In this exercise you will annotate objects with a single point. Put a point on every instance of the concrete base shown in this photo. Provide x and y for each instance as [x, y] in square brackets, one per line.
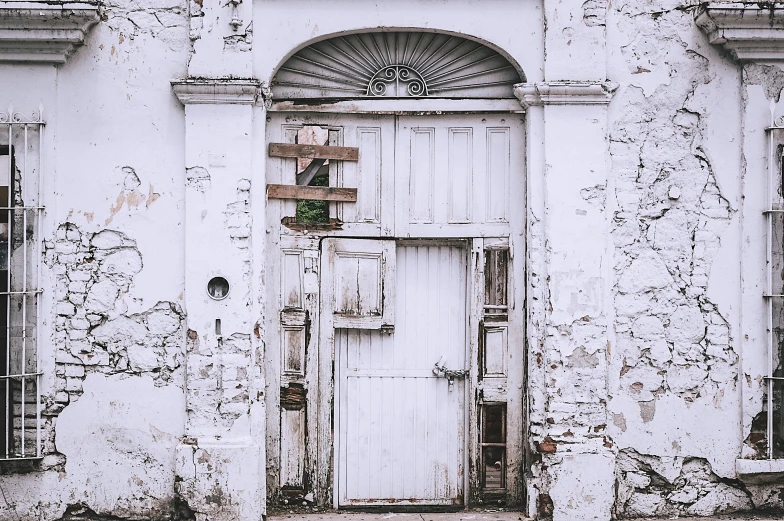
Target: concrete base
[583, 487]
[221, 480]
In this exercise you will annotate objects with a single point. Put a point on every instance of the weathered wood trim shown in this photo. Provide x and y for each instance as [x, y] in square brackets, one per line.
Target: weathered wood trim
[318, 193]
[406, 106]
[475, 295]
[313, 151]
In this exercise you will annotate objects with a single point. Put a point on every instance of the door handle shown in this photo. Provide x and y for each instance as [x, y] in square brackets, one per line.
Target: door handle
[441, 371]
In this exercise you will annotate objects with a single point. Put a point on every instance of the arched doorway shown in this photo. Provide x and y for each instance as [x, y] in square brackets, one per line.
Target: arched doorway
[395, 359]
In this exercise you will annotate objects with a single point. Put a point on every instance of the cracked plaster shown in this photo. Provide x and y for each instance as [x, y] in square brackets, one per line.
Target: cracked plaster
[662, 396]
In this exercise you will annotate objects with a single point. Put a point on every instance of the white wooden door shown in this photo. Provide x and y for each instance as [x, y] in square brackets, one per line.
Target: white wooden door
[400, 428]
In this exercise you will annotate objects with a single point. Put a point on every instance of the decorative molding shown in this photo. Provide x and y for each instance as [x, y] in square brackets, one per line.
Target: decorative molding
[396, 64]
[43, 32]
[235, 22]
[565, 93]
[752, 32]
[217, 91]
[401, 106]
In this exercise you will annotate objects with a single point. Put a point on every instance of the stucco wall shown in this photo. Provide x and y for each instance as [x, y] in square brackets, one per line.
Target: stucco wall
[645, 255]
[112, 355]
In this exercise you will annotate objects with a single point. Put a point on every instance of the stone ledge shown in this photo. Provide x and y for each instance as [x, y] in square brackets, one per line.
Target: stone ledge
[217, 91]
[41, 32]
[752, 32]
[565, 93]
[760, 470]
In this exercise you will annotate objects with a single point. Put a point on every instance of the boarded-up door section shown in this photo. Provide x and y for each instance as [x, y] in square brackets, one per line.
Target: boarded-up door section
[371, 172]
[401, 428]
[361, 278]
[454, 175]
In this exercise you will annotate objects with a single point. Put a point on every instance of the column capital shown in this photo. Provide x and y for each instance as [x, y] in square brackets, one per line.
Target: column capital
[565, 93]
[751, 31]
[218, 91]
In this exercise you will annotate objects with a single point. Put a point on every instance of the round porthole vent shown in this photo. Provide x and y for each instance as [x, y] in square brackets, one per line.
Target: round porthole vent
[218, 288]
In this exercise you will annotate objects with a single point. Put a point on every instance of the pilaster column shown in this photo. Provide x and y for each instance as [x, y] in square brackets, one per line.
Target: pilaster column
[570, 253]
[220, 464]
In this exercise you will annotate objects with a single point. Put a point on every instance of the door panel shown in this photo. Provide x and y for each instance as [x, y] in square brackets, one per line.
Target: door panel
[360, 289]
[458, 176]
[401, 427]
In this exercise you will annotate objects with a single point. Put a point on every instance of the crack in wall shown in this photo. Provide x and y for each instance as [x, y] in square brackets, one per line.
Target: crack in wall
[671, 338]
[165, 20]
[667, 231]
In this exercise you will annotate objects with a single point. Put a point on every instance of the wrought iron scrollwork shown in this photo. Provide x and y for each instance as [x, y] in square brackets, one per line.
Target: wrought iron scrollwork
[17, 117]
[397, 80]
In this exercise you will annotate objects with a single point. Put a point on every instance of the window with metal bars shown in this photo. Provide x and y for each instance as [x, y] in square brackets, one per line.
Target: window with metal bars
[21, 163]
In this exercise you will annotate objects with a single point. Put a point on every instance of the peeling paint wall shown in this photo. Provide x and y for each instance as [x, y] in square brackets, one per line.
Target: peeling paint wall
[112, 344]
[662, 386]
[645, 259]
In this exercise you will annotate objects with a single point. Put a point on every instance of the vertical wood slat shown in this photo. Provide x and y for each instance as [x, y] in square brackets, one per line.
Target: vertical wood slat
[496, 277]
[291, 279]
[293, 350]
[495, 342]
[292, 449]
[366, 176]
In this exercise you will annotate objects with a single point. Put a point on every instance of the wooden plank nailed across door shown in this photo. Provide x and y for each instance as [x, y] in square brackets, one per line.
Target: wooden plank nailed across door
[317, 193]
[313, 151]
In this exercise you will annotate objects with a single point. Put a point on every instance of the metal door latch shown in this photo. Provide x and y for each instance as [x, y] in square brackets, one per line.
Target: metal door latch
[441, 371]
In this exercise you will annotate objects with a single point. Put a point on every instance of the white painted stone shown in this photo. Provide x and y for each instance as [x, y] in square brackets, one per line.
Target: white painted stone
[583, 487]
[720, 500]
[101, 297]
[647, 272]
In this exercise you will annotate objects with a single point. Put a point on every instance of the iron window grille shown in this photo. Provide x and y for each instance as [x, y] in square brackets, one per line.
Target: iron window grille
[21, 211]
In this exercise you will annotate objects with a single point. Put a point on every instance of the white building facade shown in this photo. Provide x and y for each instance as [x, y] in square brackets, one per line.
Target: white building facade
[411, 254]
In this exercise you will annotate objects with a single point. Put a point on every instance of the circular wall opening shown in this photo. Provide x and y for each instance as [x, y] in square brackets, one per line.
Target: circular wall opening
[218, 288]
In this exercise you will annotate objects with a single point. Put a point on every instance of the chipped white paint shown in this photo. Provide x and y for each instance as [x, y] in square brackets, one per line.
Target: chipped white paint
[631, 204]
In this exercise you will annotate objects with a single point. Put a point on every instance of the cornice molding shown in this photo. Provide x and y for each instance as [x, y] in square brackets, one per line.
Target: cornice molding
[43, 32]
[752, 32]
[217, 91]
[565, 93]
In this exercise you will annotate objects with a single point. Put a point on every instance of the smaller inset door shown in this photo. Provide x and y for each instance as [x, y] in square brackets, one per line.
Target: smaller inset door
[400, 425]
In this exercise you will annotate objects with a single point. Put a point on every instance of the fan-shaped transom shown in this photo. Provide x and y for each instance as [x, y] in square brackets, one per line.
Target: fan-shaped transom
[396, 64]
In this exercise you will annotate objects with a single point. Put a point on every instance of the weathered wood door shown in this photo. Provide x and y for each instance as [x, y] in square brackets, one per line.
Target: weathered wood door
[427, 266]
[400, 428]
